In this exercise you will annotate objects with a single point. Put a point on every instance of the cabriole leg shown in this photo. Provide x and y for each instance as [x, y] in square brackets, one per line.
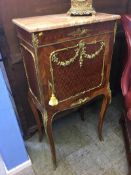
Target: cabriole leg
[82, 113]
[37, 119]
[49, 133]
[105, 102]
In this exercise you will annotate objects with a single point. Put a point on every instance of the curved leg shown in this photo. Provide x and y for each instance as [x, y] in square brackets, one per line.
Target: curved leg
[37, 119]
[82, 114]
[49, 133]
[105, 103]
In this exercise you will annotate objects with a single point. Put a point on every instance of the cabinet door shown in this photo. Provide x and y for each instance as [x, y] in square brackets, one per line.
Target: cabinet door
[77, 66]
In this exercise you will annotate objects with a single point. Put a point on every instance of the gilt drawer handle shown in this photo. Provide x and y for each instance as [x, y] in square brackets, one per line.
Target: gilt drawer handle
[80, 101]
[79, 32]
[80, 52]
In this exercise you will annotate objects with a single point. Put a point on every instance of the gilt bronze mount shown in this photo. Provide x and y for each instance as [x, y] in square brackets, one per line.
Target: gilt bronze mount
[81, 8]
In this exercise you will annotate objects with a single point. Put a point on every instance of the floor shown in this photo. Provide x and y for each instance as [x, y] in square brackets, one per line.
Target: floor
[79, 151]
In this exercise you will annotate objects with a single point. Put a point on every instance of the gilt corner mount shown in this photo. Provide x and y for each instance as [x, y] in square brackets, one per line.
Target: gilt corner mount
[81, 8]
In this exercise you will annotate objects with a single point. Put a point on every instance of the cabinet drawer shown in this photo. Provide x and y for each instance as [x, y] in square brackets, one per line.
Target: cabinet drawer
[76, 66]
[70, 33]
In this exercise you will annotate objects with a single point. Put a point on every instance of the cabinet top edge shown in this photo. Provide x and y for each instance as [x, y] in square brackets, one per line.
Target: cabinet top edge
[50, 22]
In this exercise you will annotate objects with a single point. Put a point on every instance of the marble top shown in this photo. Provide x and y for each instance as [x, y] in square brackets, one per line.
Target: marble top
[49, 22]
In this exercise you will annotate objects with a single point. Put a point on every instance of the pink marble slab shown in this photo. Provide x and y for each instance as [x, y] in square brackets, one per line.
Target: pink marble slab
[49, 22]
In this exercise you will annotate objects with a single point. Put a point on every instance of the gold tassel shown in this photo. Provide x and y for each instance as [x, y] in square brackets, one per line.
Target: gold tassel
[53, 100]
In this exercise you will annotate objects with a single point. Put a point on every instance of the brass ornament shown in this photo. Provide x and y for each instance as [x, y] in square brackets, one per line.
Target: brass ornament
[81, 8]
[45, 120]
[115, 30]
[79, 32]
[53, 100]
[109, 92]
[80, 53]
[80, 101]
[35, 40]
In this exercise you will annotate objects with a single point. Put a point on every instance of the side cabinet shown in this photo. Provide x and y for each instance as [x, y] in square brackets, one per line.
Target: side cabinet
[66, 65]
